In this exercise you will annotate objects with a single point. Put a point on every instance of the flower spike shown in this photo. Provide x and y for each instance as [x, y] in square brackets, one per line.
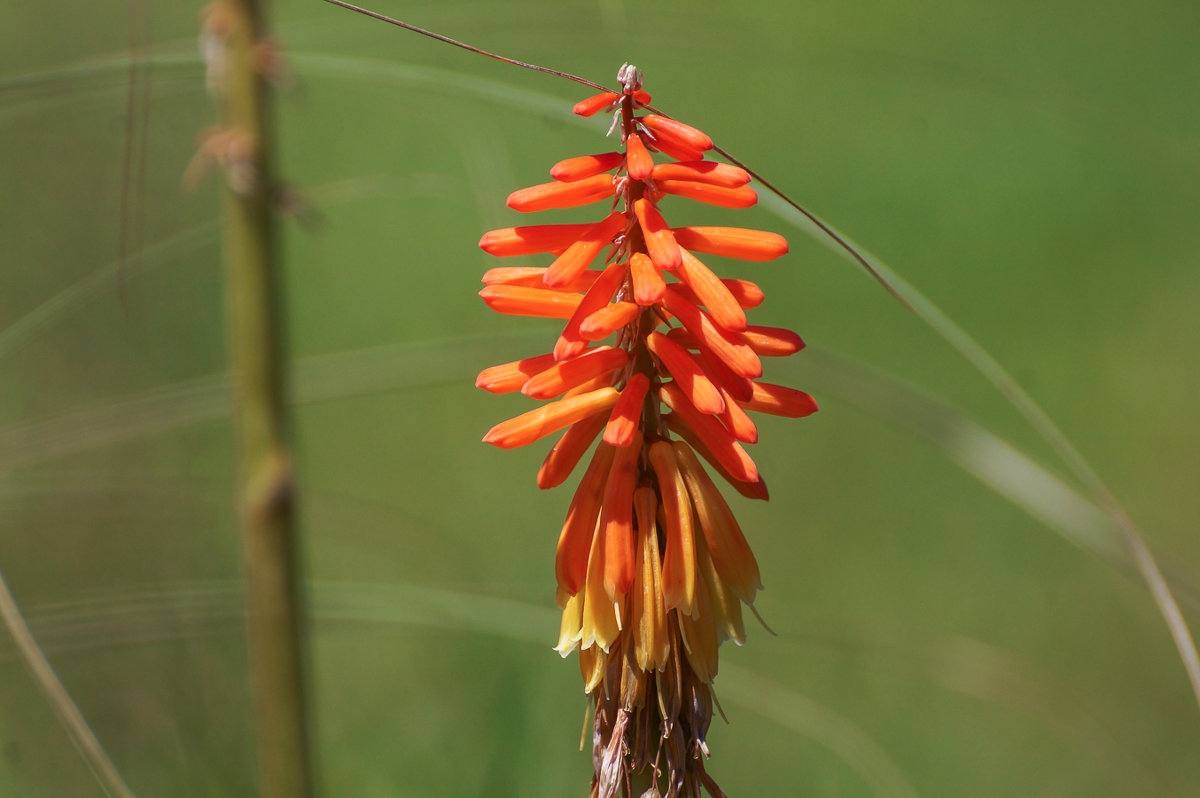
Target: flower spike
[657, 368]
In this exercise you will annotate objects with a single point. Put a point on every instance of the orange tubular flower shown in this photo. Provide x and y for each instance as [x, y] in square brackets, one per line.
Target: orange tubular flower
[652, 566]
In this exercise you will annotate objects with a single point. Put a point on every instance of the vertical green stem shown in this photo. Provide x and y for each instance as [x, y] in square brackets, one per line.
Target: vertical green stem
[265, 490]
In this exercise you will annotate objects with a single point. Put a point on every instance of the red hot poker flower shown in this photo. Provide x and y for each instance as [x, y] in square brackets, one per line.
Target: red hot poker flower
[652, 566]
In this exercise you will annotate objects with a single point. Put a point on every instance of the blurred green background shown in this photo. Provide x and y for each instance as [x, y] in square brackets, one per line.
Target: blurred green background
[1033, 167]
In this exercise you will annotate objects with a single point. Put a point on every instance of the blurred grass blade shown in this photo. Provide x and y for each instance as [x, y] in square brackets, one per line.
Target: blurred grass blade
[152, 615]
[77, 727]
[29, 92]
[1037, 418]
[440, 608]
[107, 73]
[806, 717]
[166, 614]
[995, 462]
[434, 79]
[99, 283]
[992, 460]
[319, 378]
[114, 421]
[104, 280]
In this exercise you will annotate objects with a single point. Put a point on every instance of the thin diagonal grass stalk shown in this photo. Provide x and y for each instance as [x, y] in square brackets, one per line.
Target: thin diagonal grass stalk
[82, 736]
[463, 45]
[1037, 418]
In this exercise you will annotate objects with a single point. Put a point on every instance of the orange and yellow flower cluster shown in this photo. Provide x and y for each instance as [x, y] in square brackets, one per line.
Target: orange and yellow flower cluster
[652, 567]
